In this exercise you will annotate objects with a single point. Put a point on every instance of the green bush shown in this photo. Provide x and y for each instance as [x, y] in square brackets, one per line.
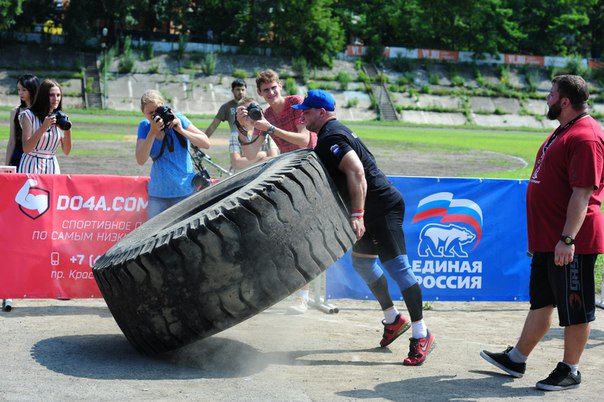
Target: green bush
[481, 82]
[300, 66]
[504, 76]
[597, 74]
[183, 40]
[126, 63]
[382, 78]
[457, 80]
[532, 80]
[405, 79]
[401, 65]
[344, 79]
[239, 73]
[153, 69]
[358, 65]
[127, 60]
[290, 86]
[148, 51]
[574, 65]
[352, 102]
[373, 102]
[364, 78]
[208, 65]
[433, 79]
[89, 84]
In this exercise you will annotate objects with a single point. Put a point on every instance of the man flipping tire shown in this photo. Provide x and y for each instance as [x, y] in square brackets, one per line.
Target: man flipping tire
[377, 216]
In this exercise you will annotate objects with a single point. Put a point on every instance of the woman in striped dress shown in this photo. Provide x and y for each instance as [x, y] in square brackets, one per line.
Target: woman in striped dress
[41, 134]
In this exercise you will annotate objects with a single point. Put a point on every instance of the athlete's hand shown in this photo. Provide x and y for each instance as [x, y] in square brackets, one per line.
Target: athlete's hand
[358, 226]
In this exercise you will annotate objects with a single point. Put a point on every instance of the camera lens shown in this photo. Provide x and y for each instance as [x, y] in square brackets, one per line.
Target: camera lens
[254, 112]
[62, 120]
[64, 124]
[165, 113]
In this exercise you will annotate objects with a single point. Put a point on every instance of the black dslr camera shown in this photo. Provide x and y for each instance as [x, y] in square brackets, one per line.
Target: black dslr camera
[62, 120]
[165, 113]
[254, 111]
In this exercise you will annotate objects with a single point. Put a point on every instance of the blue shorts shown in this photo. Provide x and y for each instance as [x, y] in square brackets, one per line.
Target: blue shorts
[570, 288]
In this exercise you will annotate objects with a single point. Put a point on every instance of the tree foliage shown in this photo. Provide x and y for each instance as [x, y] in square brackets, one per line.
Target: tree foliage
[319, 29]
[9, 9]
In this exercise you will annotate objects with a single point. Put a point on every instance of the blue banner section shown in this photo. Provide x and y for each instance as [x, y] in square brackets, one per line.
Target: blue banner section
[466, 241]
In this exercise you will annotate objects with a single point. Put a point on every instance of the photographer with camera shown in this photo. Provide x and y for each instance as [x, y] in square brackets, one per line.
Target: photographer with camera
[45, 128]
[243, 135]
[278, 120]
[283, 124]
[165, 136]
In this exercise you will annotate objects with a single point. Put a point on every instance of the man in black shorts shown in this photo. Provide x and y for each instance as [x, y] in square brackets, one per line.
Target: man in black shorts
[377, 217]
[565, 234]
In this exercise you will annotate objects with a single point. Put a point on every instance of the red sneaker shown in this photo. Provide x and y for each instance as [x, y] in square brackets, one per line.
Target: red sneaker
[418, 350]
[394, 330]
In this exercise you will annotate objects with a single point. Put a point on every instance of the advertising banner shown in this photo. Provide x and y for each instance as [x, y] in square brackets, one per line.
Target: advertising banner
[524, 60]
[54, 227]
[466, 241]
[466, 238]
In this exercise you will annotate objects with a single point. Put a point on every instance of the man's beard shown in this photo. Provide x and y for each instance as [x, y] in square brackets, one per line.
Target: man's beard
[554, 111]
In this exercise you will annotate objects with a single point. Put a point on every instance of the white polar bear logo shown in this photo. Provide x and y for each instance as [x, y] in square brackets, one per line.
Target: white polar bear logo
[444, 241]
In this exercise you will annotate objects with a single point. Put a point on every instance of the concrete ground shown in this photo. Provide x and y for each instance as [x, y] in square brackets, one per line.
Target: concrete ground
[73, 350]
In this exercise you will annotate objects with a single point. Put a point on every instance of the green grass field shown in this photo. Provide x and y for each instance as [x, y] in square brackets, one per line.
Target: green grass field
[520, 144]
[517, 143]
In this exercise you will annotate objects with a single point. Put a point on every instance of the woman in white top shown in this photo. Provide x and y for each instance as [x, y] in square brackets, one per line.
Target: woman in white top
[42, 136]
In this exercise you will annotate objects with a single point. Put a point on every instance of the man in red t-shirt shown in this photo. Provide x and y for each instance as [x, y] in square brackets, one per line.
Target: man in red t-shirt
[280, 120]
[284, 126]
[565, 234]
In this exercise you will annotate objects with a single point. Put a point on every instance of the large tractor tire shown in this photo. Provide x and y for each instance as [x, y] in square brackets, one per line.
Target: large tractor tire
[225, 254]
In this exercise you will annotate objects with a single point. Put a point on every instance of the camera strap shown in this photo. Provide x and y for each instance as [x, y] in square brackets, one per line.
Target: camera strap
[243, 131]
[168, 141]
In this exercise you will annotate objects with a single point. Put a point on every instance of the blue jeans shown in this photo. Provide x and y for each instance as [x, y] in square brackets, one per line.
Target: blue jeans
[157, 205]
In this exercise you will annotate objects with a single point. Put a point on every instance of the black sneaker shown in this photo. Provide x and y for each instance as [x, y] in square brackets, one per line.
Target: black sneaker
[559, 379]
[503, 361]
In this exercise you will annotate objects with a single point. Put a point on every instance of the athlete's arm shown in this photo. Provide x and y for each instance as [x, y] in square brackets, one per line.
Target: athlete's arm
[352, 167]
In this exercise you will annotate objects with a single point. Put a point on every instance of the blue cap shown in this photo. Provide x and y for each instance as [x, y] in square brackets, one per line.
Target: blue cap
[317, 99]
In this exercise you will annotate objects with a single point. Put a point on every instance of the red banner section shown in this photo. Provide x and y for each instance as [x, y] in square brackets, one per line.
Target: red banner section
[454, 56]
[54, 227]
[445, 55]
[523, 60]
[595, 64]
[356, 50]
